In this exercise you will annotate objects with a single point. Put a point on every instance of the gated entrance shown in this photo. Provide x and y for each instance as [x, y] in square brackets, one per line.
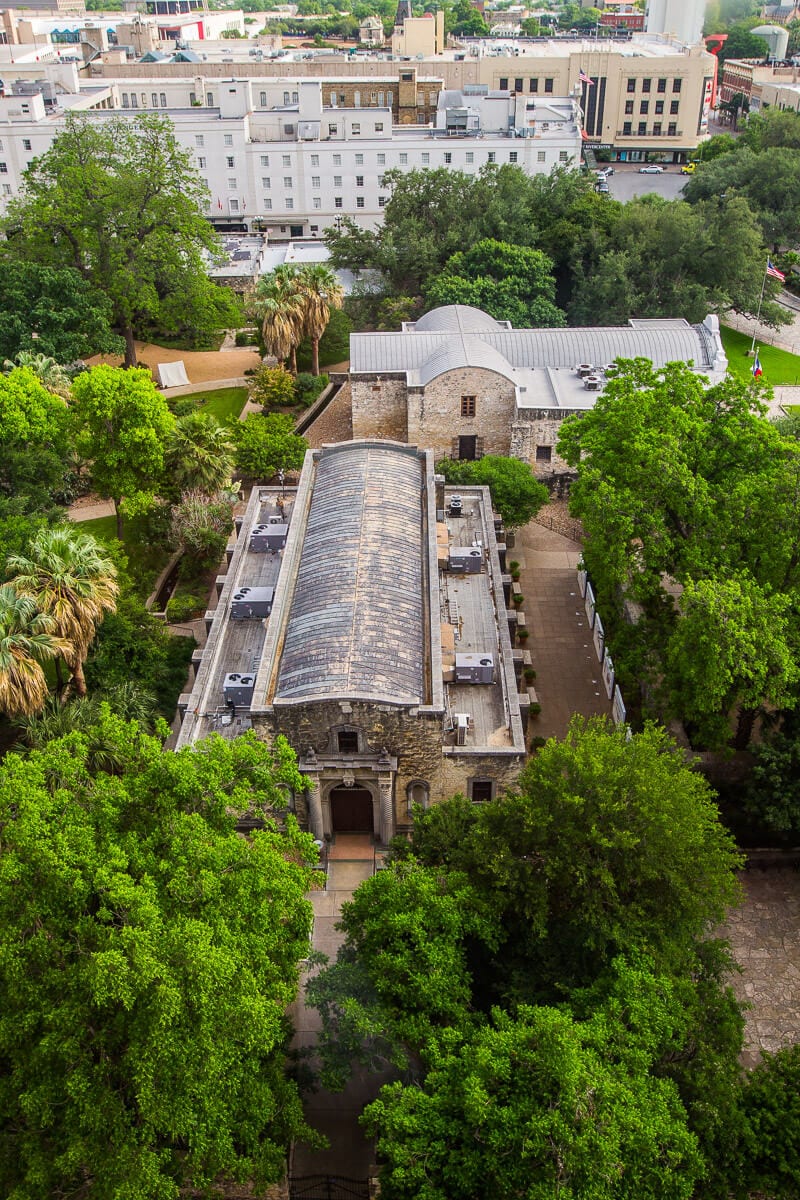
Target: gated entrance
[328, 1187]
[351, 810]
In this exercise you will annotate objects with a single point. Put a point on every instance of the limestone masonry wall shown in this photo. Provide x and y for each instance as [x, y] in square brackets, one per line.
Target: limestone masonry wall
[434, 413]
[379, 407]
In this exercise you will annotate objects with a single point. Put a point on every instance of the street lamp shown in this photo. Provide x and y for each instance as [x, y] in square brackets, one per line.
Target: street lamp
[281, 478]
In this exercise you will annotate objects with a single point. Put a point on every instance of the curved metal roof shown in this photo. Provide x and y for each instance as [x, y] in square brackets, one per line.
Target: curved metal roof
[462, 352]
[355, 625]
[457, 318]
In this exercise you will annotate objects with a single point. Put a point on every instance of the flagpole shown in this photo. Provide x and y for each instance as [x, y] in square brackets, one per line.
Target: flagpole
[758, 314]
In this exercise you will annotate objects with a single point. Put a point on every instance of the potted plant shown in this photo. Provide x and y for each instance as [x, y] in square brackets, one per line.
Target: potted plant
[517, 600]
[529, 674]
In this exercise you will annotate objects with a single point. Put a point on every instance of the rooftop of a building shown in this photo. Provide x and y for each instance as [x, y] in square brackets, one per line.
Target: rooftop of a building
[536, 361]
[362, 603]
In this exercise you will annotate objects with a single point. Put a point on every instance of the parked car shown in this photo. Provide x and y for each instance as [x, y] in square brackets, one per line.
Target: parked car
[603, 186]
[689, 168]
[652, 169]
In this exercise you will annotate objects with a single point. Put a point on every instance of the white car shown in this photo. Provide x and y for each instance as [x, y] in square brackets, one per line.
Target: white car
[653, 169]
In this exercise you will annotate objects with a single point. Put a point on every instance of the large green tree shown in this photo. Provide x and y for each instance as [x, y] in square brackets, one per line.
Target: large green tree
[124, 426]
[148, 956]
[52, 310]
[34, 439]
[268, 444]
[122, 204]
[680, 483]
[512, 283]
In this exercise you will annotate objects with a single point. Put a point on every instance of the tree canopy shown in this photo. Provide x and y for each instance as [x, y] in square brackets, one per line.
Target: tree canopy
[686, 489]
[268, 444]
[52, 310]
[511, 283]
[123, 205]
[123, 425]
[148, 955]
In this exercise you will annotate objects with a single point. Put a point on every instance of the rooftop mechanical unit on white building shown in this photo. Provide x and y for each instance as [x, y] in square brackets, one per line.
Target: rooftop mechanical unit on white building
[237, 689]
[251, 602]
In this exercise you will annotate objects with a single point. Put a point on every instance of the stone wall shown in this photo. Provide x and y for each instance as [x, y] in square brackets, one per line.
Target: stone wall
[434, 413]
[538, 427]
[379, 407]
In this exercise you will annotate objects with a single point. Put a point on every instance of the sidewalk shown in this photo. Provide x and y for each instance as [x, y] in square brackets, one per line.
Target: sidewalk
[568, 677]
[335, 1114]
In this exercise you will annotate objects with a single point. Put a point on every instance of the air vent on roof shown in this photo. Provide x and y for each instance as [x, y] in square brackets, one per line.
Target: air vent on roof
[584, 369]
[461, 722]
[268, 537]
[251, 602]
[456, 506]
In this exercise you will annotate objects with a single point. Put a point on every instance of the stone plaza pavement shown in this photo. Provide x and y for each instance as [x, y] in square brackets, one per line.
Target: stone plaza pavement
[764, 934]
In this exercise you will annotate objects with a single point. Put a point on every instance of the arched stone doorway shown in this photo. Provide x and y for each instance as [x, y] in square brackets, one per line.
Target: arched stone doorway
[352, 810]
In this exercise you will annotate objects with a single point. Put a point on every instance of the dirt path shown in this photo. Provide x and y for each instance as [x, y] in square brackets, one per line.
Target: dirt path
[202, 366]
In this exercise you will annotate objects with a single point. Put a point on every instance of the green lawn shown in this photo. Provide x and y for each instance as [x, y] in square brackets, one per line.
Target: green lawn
[225, 404]
[779, 366]
[145, 560]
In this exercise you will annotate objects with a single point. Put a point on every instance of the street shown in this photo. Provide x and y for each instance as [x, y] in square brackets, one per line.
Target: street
[626, 182]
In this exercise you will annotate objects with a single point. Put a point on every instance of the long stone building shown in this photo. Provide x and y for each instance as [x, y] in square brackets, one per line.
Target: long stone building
[465, 384]
[364, 618]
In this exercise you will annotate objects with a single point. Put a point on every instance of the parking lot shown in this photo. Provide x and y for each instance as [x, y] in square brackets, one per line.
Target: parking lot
[626, 182]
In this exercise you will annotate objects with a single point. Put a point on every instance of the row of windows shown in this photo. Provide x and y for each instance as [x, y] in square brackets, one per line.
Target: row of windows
[316, 180]
[533, 85]
[644, 107]
[657, 130]
[156, 99]
[647, 85]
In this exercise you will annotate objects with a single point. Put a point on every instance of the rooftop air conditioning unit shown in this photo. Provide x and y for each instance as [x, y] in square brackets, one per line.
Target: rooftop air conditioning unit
[474, 668]
[465, 560]
[592, 383]
[461, 722]
[267, 537]
[237, 689]
[584, 369]
[456, 506]
[251, 602]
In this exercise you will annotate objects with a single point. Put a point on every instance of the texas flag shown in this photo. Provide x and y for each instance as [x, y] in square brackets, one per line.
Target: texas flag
[774, 273]
[584, 78]
[757, 367]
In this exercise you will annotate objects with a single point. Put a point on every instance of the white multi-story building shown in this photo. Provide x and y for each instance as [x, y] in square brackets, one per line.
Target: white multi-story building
[282, 156]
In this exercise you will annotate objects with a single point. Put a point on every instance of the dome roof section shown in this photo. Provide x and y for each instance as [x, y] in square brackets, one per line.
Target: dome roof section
[458, 352]
[458, 318]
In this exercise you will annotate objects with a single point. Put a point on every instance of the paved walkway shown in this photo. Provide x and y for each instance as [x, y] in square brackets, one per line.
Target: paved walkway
[765, 938]
[336, 1114]
[567, 671]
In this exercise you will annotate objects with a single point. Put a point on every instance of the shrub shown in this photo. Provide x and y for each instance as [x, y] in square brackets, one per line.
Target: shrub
[529, 674]
[523, 634]
[518, 600]
[181, 406]
[272, 387]
[184, 607]
[537, 743]
[308, 387]
[534, 709]
[246, 337]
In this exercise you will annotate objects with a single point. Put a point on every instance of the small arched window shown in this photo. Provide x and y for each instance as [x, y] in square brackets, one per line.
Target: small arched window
[418, 792]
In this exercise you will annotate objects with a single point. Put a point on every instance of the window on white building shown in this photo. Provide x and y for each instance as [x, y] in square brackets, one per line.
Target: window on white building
[134, 100]
[199, 140]
[231, 185]
[265, 160]
[209, 99]
[355, 128]
[379, 126]
[337, 202]
[6, 189]
[317, 202]
[541, 156]
[267, 204]
[289, 202]
[229, 162]
[285, 97]
[337, 160]
[563, 156]
[426, 158]
[381, 201]
[512, 156]
[163, 99]
[287, 160]
[263, 99]
[3, 168]
[359, 201]
[403, 159]
[448, 158]
[333, 130]
[316, 181]
[201, 162]
[295, 97]
[470, 156]
[144, 99]
[359, 180]
[315, 160]
[287, 181]
[337, 181]
[491, 156]
[228, 138]
[381, 160]
[125, 101]
[154, 99]
[234, 205]
[266, 182]
[359, 159]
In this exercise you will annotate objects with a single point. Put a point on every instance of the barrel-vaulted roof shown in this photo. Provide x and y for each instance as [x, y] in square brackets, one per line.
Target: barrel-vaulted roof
[356, 621]
[457, 318]
[461, 351]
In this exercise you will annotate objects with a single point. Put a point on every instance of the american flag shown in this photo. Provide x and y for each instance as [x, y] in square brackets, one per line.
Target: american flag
[584, 78]
[774, 273]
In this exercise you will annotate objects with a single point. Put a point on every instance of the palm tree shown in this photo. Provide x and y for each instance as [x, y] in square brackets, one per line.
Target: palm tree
[199, 456]
[27, 637]
[49, 373]
[74, 583]
[321, 291]
[281, 308]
